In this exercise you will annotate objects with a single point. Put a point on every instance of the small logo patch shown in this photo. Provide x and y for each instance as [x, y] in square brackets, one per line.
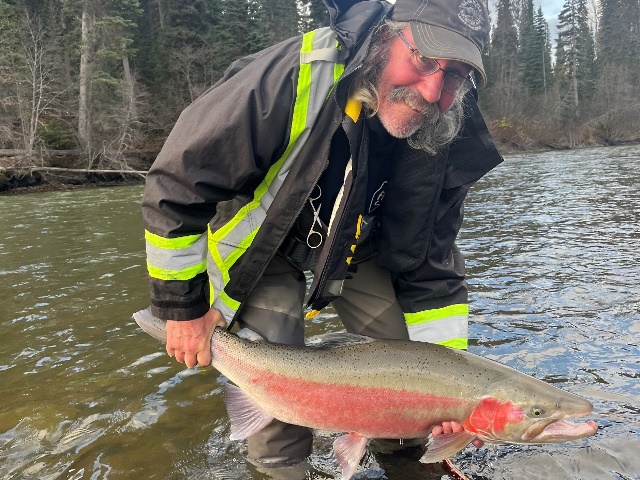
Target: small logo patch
[377, 198]
[472, 14]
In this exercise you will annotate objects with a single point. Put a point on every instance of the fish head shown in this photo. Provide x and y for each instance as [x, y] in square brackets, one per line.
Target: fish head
[541, 416]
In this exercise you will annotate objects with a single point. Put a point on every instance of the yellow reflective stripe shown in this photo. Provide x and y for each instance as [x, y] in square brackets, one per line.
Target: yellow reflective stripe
[217, 259]
[298, 124]
[170, 243]
[242, 247]
[417, 318]
[184, 274]
[459, 343]
[338, 68]
[228, 301]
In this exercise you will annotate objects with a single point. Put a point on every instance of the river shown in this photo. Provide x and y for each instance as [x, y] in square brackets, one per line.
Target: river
[551, 241]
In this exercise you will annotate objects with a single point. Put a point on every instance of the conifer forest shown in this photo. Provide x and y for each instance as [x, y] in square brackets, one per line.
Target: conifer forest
[107, 79]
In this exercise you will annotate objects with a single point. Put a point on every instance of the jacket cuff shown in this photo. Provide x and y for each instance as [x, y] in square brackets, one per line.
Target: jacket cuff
[179, 312]
[179, 299]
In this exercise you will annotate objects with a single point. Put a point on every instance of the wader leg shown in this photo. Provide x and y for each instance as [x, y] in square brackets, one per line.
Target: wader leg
[368, 306]
[274, 310]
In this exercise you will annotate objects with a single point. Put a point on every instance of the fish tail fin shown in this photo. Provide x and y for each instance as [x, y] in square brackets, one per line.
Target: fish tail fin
[446, 445]
[245, 415]
[153, 326]
[349, 449]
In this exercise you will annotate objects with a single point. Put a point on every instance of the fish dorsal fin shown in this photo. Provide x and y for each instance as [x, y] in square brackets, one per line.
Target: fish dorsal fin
[349, 449]
[446, 445]
[337, 339]
[245, 415]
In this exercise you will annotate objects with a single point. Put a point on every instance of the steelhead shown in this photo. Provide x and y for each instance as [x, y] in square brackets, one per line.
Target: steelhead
[386, 389]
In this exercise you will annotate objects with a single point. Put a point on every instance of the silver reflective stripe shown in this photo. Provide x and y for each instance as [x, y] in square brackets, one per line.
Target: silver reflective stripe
[326, 54]
[439, 331]
[177, 259]
[228, 312]
[229, 242]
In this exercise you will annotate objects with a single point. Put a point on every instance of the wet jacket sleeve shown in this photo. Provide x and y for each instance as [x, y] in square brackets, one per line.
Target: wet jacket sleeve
[221, 146]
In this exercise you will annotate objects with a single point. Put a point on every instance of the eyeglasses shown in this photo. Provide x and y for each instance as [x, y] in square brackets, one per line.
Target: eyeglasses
[453, 82]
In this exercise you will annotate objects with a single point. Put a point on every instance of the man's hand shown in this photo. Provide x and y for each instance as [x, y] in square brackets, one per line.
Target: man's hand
[190, 341]
[453, 427]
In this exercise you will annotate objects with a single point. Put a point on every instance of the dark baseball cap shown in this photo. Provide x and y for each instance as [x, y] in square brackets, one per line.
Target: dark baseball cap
[448, 29]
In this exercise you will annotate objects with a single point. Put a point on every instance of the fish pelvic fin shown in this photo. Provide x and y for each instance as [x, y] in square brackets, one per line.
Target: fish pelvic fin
[245, 415]
[349, 450]
[446, 445]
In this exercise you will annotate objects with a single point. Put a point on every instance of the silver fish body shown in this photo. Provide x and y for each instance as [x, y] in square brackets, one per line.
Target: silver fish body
[387, 389]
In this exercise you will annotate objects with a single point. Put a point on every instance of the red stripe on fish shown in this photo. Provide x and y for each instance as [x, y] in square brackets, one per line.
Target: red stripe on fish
[368, 410]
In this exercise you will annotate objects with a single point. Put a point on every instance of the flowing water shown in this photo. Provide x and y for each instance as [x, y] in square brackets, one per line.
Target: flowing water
[551, 241]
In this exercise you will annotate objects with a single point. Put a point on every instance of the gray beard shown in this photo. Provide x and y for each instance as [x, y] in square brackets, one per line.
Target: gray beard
[430, 112]
[435, 129]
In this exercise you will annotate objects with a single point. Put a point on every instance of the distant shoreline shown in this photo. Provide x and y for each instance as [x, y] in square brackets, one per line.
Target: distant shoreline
[15, 178]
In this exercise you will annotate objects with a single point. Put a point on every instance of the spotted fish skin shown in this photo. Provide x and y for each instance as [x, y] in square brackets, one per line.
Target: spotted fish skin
[387, 389]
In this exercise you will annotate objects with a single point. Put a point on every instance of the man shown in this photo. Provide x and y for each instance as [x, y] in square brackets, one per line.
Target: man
[347, 153]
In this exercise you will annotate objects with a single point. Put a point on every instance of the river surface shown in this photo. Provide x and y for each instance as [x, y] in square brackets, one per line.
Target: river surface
[552, 242]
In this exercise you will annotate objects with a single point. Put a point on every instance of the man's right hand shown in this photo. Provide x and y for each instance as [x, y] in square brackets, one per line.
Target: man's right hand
[189, 341]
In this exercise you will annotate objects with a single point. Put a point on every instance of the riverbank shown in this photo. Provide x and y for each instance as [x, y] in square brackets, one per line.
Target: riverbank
[61, 171]
[58, 170]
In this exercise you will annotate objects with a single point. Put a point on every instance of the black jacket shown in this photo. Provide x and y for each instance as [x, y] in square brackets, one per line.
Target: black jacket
[224, 143]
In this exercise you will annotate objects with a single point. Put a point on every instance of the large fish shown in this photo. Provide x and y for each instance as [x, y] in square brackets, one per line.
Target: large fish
[386, 389]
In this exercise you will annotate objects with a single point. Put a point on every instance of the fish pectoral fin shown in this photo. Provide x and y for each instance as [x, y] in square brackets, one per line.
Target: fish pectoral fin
[349, 449]
[446, 445]
[245, 415]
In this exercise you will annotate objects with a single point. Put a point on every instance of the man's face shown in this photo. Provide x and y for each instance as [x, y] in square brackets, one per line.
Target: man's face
[407, 99]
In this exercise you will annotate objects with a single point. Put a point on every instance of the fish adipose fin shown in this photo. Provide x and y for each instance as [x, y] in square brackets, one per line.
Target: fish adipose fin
[446, 445]
[245, 415]
[349, 449]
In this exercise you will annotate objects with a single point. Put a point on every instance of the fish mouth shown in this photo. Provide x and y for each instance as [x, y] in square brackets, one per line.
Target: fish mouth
[558, 431]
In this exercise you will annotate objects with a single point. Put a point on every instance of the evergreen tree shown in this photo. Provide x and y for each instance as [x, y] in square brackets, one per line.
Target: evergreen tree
[529, 52]
[619, 37]
[281, 20]
[543, 48]
[575, 55]
[501, 93]
[241, 31]
[100, 36]
[315, 15]
[11, 66]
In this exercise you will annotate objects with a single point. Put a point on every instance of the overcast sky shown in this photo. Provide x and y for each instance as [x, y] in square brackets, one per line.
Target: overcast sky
[550, 9]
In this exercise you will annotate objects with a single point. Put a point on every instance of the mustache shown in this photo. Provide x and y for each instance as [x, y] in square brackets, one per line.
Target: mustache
[414, 100]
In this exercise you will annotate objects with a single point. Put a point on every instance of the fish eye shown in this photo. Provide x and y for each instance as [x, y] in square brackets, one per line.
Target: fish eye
[537, 411]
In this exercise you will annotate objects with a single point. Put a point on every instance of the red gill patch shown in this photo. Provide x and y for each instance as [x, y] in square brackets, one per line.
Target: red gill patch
[492, 415]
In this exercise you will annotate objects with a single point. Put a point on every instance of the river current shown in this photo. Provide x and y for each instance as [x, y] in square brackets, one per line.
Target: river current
[552, 243]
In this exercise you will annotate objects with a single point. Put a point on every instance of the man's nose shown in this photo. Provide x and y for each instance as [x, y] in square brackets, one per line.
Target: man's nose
[430, 88]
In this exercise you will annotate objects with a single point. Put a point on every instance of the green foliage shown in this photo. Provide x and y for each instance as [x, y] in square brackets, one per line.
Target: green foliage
[58, 134]
[148, 59]
[619, 38]
[575, 56]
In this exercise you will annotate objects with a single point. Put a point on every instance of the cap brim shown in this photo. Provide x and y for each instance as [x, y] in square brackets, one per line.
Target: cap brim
[438, 42]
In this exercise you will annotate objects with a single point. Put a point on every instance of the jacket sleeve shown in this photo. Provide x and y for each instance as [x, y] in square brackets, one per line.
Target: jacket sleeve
[221, 146]
[433, 296]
